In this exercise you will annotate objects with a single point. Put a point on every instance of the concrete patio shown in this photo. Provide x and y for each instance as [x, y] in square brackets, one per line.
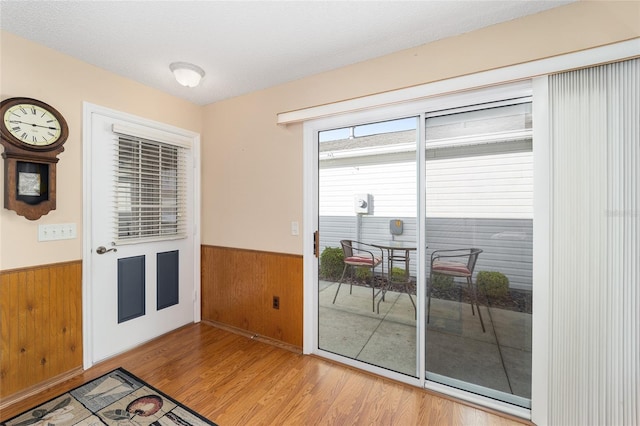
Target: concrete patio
[498, 359]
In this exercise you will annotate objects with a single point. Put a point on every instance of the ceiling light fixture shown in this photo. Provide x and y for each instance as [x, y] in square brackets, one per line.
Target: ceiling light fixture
[187, 74]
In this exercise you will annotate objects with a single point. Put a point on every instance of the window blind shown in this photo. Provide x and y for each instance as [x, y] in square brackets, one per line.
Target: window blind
[594, 293]
[150, 190]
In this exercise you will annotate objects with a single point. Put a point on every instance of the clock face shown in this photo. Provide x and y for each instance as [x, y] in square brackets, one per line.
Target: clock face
[32, 124]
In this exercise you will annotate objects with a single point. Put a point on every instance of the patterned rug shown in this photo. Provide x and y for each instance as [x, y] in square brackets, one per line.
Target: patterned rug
[117, 398]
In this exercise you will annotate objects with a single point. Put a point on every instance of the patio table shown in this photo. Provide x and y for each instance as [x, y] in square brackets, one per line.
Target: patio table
[397, 251]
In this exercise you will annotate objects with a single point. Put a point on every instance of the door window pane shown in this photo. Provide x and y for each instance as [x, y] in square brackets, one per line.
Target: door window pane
[367, 225]
[479, 207]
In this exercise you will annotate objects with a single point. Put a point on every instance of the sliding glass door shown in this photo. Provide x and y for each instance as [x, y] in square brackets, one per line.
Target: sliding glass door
[424, 243]
[479, 227]
[367, 198]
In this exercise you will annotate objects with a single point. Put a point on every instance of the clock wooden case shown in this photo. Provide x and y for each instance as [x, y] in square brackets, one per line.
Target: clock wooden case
[32, 133]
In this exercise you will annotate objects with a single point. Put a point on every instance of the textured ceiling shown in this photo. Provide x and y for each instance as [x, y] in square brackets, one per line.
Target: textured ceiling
[244, 46]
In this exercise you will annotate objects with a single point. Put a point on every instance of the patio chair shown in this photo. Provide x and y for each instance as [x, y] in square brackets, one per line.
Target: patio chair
[360, 255]
[456, 263]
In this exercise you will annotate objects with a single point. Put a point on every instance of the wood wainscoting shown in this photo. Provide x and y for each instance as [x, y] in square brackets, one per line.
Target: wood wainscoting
[238, 287]
[41, 324]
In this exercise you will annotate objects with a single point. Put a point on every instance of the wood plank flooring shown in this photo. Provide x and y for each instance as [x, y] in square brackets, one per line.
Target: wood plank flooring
[234, 380]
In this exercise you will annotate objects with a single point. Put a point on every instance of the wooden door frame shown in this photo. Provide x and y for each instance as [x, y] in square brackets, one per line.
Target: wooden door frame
[87, 242]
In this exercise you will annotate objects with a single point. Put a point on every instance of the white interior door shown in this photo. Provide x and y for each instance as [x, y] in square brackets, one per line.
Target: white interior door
[142, 280]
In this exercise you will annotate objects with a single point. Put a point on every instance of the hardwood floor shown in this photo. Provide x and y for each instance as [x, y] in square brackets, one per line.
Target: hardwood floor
[235, 380]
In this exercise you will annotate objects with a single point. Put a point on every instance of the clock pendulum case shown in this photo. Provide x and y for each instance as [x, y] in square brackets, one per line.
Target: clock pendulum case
[32, 133]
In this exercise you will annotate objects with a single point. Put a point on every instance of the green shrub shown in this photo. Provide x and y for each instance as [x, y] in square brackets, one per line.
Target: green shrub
[363, 273]
[397, 274]
[331, 263]
[442, 282]
[494, 285]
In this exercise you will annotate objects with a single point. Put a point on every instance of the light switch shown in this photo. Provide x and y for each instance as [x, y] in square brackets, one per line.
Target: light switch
[295, 230]
[60, 231]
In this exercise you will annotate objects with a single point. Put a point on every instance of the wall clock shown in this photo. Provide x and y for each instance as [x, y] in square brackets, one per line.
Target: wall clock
[32, 133]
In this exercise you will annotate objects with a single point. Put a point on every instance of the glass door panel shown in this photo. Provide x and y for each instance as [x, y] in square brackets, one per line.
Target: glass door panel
[367, 188]
[479, 223]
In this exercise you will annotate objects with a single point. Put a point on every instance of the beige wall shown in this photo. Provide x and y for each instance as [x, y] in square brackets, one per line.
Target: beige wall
[31, 70]
[252, 168]
[252, 182]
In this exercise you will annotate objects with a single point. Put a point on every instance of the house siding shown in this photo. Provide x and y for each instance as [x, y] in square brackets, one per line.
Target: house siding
[473, 199]
[507, 244]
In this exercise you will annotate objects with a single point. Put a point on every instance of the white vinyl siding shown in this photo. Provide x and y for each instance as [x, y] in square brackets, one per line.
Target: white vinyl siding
[488, 186]
[390, 198]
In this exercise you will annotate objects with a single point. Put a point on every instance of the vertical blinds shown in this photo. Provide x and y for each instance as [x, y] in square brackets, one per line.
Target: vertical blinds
[594, 293]
[150, 190]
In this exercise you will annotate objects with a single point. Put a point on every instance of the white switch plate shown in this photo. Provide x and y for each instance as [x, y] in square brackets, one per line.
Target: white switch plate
[295, 230]
[59, 231]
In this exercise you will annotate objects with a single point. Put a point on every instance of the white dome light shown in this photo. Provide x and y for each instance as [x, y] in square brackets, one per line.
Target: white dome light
[187, 74]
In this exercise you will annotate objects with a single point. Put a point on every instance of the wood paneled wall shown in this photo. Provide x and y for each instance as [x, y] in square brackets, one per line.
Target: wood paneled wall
[238, 287]
[41, 309]
[41, 324]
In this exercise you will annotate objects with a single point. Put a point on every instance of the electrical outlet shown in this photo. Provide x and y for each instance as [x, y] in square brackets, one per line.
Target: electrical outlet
[276, 302]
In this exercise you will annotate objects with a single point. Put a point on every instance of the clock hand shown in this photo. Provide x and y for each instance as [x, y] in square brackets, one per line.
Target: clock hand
[45, 127]
[34, 125]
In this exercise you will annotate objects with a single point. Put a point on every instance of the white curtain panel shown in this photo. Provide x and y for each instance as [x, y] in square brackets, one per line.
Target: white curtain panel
[595, 273]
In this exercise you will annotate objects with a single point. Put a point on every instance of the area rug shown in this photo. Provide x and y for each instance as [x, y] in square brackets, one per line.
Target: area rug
[117, 398]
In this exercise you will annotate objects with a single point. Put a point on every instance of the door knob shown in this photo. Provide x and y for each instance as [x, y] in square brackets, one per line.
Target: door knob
[103, 250]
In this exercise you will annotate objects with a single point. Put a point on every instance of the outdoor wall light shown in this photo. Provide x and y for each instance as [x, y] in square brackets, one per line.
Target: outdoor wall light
[187, 74]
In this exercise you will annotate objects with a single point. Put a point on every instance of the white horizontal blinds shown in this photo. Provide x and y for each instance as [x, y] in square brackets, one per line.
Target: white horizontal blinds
[595, 271]
[150, 190]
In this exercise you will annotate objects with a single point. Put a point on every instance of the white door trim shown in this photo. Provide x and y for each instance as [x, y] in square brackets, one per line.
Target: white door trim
[87, 243]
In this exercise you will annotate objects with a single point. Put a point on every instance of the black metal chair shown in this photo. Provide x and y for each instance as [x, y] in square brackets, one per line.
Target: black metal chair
[456, 263]
[360, 255]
